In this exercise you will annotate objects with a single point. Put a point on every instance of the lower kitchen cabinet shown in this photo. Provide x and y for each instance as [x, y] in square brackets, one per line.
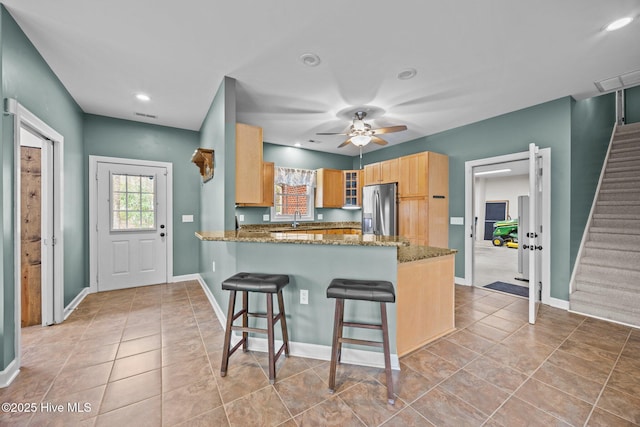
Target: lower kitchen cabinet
[425, 302]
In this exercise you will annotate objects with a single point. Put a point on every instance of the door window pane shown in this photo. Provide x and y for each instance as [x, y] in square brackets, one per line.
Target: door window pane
[132, 204]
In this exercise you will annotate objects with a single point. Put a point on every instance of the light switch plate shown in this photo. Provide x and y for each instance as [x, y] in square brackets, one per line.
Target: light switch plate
[265, 217]
[241, 218]
[304, 296]
[457, 220]
[187, 218]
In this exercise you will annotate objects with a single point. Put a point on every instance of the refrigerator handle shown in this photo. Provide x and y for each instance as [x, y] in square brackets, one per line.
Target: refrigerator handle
[378, 210]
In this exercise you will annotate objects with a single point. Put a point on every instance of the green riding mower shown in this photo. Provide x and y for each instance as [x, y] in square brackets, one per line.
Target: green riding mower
[505, 232]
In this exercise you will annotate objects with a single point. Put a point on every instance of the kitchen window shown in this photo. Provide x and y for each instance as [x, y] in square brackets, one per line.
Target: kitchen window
[293, 194]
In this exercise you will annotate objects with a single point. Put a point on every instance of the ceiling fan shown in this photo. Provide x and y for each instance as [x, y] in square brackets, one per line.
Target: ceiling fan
[360, 133]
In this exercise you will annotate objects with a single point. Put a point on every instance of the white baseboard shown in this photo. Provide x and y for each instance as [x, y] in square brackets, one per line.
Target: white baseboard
[76, 301]
[559, 303]
[460, 281]
[298, 349]
[184, 278]
[222, 318]
[9, 374]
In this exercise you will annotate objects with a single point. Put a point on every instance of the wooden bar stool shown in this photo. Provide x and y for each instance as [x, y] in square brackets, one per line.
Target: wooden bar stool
[268, 284]
[364, 290]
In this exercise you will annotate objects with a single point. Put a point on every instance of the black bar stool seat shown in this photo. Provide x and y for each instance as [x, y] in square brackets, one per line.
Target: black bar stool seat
[268, 284]
[364, 290]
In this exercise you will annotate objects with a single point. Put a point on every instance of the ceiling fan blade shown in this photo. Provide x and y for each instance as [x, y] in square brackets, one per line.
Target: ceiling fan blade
[379, 141]
[348, 141]
[389, 129]
[331, 133]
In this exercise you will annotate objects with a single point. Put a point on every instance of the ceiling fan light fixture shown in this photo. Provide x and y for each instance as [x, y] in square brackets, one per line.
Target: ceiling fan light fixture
[360, 140]
[310, 59]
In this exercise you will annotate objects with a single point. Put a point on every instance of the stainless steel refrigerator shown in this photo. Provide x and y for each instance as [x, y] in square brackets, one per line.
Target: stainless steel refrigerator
[380, 209]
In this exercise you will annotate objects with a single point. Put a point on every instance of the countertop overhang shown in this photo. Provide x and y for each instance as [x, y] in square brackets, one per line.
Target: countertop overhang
[284, 233]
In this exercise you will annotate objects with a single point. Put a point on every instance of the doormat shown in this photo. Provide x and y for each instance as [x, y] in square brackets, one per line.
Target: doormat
[508, 288]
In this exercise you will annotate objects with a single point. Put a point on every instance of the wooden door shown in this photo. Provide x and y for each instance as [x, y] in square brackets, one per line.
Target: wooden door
[413, 175]
[413, 220]
[389, 171]
[372, 174]
[31, 235]
[249, 175]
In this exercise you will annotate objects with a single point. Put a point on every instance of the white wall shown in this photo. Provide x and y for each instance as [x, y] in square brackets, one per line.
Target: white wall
[498, 188]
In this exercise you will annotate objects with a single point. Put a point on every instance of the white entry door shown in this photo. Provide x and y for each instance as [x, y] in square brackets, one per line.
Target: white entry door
[132, 225]
[534, 233]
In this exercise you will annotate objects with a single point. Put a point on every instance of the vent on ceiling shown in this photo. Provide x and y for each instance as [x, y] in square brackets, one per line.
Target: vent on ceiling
[619, 82]
[149, 116]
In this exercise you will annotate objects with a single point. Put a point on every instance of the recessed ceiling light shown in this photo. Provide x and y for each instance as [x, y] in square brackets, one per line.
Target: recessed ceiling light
[143, 97]
[619, 23]
[407, 74]
[297, 144]
[310, 59]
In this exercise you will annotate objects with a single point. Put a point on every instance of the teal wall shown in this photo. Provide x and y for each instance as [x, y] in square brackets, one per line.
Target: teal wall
[27, 78]
[632, 104]
[217, 196]
[133, 140]
[293, 157]
[547, 125]
[592, 122]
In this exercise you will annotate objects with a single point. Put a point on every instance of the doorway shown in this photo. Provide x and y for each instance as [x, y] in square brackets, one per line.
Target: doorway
[131, 240]
[38, 237]
[530, 165]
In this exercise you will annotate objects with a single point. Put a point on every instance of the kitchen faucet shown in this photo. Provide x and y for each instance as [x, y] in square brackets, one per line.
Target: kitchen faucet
[295, 223]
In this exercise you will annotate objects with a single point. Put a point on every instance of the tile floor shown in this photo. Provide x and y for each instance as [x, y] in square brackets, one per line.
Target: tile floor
[150, 356]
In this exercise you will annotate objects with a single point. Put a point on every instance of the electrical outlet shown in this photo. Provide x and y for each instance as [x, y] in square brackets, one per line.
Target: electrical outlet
[304, 296]
[241, 218]
[213, 266]
[320, 216]
[265, 217]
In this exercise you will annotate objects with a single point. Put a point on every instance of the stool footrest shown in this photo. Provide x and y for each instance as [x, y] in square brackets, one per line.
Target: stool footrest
[235, 347]
[362, 325]
[360, 342]
[247, 329]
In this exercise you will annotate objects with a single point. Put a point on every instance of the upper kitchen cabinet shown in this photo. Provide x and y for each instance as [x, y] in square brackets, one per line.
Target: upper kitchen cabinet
[249, 168]
[329, 188]
[382, 172]
[352, 188]
[424, 174]
[268, 169]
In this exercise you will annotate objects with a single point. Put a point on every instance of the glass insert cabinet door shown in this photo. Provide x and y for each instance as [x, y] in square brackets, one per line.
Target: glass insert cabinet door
[133, 202]
[352, 188]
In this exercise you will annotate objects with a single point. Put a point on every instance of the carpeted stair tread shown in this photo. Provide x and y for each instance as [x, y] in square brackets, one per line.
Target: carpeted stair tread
[630, 216]
[594, 287]
[600, 262]
[625, 158]
[613, 245]
[623, 224]
[625, 239]
[612, 230]
[606, 275]
[624, 182]
[582, 302]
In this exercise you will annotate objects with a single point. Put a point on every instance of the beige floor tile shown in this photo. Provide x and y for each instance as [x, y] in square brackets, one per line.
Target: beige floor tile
[452, 352]
[557, 403]
[216, 417]
[139, 345]
[407, 417]
[471, 341]
[331, 412]
[430, 366]
[302, 391]
[497, 374]
[131, 390]
[475, 391]
[190, 401]
[516, 412]
[182, 374]
[136, 364]
[568, 382]
[368, 400]
[602, 418]
[71, 379]
[444, 409]
[621, 404]
[262, 407]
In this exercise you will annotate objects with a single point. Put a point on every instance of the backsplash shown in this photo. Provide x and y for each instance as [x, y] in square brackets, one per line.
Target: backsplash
[254, 215]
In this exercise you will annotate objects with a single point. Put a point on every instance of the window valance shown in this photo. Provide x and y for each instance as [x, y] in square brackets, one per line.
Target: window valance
[292, 176]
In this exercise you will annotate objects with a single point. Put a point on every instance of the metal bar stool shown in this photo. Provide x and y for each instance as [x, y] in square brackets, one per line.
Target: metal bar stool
[268, 284]
[365, 290]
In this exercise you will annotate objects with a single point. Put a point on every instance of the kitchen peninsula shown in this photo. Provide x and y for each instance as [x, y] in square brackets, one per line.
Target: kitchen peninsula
[315, 253]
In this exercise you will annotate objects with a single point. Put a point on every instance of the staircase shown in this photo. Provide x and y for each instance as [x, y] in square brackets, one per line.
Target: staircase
[606, 280]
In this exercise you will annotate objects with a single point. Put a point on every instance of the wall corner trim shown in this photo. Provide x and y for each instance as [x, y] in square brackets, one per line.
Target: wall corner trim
[76, 301]
[559, 303]
[9, 374]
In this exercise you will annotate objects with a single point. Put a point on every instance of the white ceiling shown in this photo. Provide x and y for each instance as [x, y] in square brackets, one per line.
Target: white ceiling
[474, 59]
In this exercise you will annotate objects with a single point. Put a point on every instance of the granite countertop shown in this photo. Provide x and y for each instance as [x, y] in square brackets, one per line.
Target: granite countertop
[417, 253]
[302, 238]
[284, 233]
